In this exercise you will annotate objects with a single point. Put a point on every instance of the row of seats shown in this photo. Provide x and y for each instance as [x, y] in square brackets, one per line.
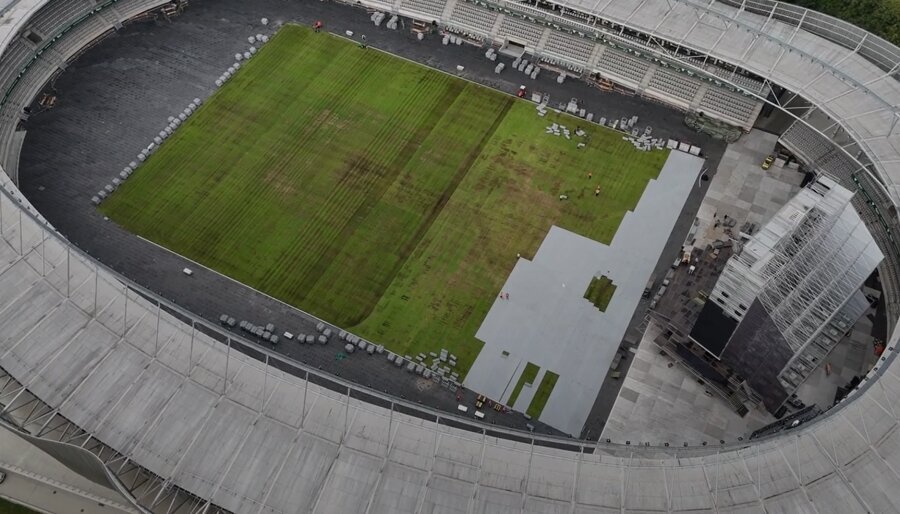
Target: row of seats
[838, 164]
[17, 54]
[57, 15]
[87, 30]
[728, 104]
[571, 48]
[521, 31]
[674, 85]
[468, 15]
[809, 144]
[433, 7]
[747, 83]
[623, 65]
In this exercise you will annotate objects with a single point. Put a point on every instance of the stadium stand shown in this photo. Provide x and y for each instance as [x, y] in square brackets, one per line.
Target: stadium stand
[673, 84]
[735, 108]
[521, 31]
[751, 85]
[184, 422]
[430, 7]
[627, 69]
[806, 143]
[466, 15]
[57, 15]
[568, 48]
[13, 60]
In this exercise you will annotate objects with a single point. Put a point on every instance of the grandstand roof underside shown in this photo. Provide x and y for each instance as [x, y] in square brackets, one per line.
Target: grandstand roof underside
[300, 444]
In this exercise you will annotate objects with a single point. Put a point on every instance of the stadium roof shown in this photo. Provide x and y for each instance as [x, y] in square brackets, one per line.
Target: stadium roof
[251, 438]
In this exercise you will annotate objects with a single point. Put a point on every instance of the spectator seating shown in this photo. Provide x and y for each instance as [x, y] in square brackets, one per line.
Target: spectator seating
[431, 7]
[673, 84]
[521, 31]
[475, 18]
[569, 48]
[57, 15]
[735, 106]
[808, 145]
[619, 64]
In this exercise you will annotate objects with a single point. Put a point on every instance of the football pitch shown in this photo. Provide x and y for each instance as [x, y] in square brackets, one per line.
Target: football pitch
[382, 196]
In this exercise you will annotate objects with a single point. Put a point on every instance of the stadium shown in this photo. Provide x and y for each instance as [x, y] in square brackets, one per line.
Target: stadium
[293, 256]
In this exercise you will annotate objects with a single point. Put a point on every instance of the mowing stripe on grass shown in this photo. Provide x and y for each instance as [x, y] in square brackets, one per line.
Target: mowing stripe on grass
[542, 394]
[372, 192]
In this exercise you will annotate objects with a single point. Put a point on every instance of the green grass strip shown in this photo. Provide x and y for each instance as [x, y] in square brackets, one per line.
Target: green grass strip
[542, 394]
[600, 292]
[8, 507]
[527, 377]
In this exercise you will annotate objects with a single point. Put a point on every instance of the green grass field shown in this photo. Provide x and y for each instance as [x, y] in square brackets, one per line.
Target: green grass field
[536, 407]
[527, 377]
[382, 196]
[600, 291]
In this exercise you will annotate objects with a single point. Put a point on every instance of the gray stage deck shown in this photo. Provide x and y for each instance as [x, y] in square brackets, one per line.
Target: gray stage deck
[548, 322]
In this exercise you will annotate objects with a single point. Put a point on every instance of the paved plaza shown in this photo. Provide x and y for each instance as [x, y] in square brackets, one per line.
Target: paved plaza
[742, 190]
[548, 322]
[662, 402]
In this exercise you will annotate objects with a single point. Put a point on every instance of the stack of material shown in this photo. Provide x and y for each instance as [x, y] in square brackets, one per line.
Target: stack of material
[645, 143]
[557, 129]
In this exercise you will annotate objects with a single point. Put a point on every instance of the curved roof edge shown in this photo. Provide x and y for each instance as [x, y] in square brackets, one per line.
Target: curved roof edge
[366, 451]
